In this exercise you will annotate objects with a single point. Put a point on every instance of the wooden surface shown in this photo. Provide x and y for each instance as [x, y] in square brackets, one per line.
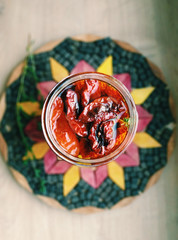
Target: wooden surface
[23, 181]
[150, 27]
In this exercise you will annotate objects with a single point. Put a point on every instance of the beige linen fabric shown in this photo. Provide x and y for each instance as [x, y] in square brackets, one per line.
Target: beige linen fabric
[150, 26]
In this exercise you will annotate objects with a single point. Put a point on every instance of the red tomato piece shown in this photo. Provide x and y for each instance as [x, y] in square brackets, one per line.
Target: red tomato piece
[72, 103]
[79, 86]
[78, 127]
[108, 90]
[102, 111]
[57, 109]
[92, 91]
[85, 149]
[61, 129]
[72, 109]
[65, 136]
[109, 132]
[120, 137]
[102, 133]
[96, 108]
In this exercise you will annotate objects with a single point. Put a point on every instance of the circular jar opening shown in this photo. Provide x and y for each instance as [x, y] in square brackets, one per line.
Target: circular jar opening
[90, 111]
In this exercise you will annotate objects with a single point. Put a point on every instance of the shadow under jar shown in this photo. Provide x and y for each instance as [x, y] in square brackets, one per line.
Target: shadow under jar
[89, 119]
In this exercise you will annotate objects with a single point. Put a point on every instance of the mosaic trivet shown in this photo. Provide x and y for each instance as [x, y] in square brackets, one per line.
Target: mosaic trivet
[58, 183]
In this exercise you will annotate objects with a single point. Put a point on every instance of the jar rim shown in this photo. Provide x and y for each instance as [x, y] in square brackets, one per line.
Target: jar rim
[55, 146]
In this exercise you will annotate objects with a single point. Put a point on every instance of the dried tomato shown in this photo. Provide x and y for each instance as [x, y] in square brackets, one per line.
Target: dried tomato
[80, 86]
[110, 91]
[65, 136]
[78, 127]
[110, 132]
[92, 90]
[95, 108]
[57, 109]
[72, 103]
[63, 133]
[103, 133]
[72, 110]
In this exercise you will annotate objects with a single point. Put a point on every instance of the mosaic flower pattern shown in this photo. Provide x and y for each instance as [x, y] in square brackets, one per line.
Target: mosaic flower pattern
[94, 177]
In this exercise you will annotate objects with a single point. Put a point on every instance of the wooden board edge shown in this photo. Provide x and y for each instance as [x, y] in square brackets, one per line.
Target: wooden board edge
[87, 37]
[51, 202]
[3, 148]
[21, 179]
[54, 203]
[50, 45]
[171, 144]
[47, 47]
[2, 105]
[124, 202]
[3, 145]
[126, 46]
[15, 73]
[172, 106]
[153, 179]
[87, 210]
[156, 70]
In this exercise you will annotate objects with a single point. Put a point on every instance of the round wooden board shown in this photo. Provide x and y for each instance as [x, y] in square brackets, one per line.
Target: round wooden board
[22, 180]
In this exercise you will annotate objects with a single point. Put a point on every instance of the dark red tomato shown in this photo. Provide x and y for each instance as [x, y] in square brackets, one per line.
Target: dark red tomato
[80, 86]
[65, 136]
[72, 103]
[120, 138]
[72, 110]
[103, 134]
[78, 127]
[96, 108]
[93, 123]
[61, 129]
[85, 149]
[92, 91]
[108, 90]
[57, 109]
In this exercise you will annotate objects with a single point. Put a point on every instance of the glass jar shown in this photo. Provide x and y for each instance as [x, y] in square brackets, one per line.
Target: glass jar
[55, 146]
